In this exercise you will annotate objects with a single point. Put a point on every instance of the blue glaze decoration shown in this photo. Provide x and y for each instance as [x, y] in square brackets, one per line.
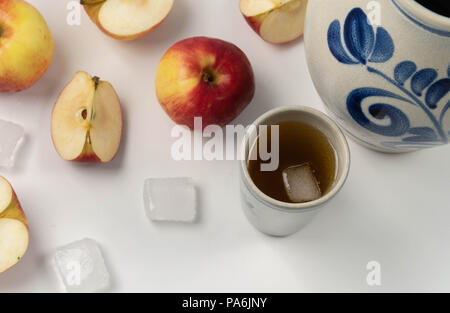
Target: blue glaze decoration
[362, 43]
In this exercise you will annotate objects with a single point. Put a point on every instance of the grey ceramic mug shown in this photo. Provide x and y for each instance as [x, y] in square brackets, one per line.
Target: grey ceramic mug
[279, 218]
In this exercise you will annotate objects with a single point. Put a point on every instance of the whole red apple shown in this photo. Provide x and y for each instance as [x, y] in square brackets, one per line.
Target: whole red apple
[204, 77]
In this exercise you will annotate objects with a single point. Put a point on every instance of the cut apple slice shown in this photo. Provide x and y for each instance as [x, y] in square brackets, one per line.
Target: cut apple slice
[87, 120]
[128, 19]
[276, 21]
[6, 194]
[13, 242]
[14, 235]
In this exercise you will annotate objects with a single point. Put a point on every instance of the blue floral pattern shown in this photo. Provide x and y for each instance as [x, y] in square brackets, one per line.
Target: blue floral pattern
[365, 45]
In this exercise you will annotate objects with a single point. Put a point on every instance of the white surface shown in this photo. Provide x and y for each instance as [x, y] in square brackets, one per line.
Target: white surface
[394, 209]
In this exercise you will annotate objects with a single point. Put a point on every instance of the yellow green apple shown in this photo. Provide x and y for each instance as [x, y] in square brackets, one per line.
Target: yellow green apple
[26, 45]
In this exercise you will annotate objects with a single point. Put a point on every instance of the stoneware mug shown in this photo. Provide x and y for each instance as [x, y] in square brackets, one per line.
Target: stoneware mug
[279, 218]
[382, 69]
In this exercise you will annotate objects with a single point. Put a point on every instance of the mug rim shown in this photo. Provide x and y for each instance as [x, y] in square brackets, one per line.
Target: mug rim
[305, 206]
[423, 13]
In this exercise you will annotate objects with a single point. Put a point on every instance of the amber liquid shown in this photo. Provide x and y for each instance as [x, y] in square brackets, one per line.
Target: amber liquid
[298, 143]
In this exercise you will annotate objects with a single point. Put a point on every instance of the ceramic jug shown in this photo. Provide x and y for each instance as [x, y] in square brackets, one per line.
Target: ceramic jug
[382, 68]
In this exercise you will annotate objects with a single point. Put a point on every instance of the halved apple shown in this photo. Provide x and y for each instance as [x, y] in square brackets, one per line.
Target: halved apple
[127, 19]
[276, 21]
[87, 120]
[14, 236]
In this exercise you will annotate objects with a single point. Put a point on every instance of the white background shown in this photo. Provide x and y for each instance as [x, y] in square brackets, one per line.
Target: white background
[394, 209]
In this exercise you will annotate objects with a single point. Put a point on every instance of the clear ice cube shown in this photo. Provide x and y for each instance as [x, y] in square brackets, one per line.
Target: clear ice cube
[11, 137]
[301, 184]
[81, 267]
[170, 199]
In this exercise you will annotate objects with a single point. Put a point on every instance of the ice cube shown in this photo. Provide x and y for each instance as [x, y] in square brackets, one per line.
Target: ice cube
[170, 199]
[301, 184]
[81, 267]
[11, 137]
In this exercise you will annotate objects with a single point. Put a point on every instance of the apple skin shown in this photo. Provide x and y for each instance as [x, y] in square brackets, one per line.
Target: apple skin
[255, 22]
[204, 77]
[92, 11]
[14, 211]
[26, 45]
[88, 155]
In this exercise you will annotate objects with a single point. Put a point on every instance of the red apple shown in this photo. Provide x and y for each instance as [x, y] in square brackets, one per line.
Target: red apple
[204, 77]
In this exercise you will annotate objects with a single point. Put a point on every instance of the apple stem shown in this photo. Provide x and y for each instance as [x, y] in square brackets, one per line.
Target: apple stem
[91, 2]
[208, 76]
[96, 80]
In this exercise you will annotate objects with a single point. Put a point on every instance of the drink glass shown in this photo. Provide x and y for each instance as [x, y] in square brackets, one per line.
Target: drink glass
[277, 218]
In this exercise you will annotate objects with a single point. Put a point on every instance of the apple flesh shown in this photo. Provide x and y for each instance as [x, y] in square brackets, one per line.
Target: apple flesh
[14, 236]
[87, 120]
[26, 45]
[127, 20]
[204, 77]
[276, 21]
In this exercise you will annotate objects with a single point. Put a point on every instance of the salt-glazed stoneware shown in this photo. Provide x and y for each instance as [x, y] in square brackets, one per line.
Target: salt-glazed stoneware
[382, 69]
[274, 217]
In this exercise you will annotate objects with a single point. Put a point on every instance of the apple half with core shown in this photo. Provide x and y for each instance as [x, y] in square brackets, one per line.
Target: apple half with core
[276, 21]
[204, 77]
[127, 19]
[87, 120]
[14, 236]
[26, 45]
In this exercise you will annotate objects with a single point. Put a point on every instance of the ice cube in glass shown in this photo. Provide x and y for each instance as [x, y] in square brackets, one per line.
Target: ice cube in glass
[301, 184]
